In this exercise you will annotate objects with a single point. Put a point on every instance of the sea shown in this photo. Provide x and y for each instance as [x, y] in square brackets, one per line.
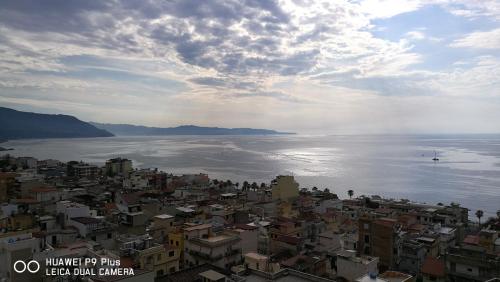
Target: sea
[391, 166]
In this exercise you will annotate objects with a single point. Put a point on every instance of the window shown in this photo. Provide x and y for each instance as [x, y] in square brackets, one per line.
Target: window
[158, 257]
[366, 226]
[177, 243]
[171, 253]
[171, 242]
[367, 238]
[110, 235]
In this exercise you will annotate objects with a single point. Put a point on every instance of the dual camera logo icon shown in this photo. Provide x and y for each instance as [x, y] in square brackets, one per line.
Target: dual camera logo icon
[32, 266]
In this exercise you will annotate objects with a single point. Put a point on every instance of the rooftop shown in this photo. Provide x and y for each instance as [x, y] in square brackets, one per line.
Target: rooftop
[212, 275]
[197, 227]
[395, 276]
[164, 216]
[86, 220]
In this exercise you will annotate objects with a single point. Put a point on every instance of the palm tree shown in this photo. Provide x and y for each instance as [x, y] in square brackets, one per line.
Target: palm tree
[326, 191]
[315, 188]
[350, 193]
[255, 186]
[263, 186]
[245, 185]
[479, 214]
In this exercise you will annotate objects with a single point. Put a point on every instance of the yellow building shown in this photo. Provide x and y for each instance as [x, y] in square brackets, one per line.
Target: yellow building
[176, 239]
[285, 209]
[160, 227]
[284, 188]
[173, 258]
[155, 259]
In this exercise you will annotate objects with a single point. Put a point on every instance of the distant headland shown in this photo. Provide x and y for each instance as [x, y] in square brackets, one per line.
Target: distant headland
[27, 125]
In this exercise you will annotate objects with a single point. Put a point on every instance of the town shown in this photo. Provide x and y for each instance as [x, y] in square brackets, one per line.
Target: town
[165, 227]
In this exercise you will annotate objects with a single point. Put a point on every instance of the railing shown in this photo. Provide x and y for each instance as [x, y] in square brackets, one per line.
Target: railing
[205, 256]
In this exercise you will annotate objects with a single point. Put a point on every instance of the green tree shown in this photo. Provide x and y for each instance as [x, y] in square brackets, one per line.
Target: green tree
[479, 214]
[254, 186]
[350, 193]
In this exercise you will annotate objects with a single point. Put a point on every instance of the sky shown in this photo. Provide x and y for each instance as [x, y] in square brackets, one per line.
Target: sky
[314, 67]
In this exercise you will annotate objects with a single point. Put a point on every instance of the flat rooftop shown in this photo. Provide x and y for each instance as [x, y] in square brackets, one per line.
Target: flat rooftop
[164, 216]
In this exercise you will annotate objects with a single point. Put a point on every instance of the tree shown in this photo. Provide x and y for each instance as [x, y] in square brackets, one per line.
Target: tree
[479, 214]
[315, 188]
[350, 193]
[245, 185]
[255, 186]
[263, 186]
[326, 191]
[498, 214]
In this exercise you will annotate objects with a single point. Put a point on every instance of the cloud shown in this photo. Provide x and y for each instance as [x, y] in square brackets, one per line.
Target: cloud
[203, 59]
[479, 40]
[415, 35]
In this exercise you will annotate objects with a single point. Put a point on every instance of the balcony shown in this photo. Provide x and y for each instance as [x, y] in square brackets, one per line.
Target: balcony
[205, 256]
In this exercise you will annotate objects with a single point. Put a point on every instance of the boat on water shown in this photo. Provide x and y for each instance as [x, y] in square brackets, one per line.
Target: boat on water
[436, 159]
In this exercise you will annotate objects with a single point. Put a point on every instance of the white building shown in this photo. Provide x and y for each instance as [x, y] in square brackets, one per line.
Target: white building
[71, 210]
[351, 267]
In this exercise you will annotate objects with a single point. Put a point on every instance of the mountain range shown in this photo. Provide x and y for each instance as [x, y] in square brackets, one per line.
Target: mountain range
[139, 130]
[27, 125]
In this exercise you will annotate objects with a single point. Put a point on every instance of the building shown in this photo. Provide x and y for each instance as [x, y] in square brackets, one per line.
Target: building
[130, 208]
[260, 262]
[161, 226]
[7, 183]
[350, 267]
[118, 166]
[85, 171]
[412, 256]
[379, 238]
[222, 250]
[433, 270]
[68, 210]
[396, 276]
[284, 188]
[14, 246]
[146, 254]
[471, 263]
